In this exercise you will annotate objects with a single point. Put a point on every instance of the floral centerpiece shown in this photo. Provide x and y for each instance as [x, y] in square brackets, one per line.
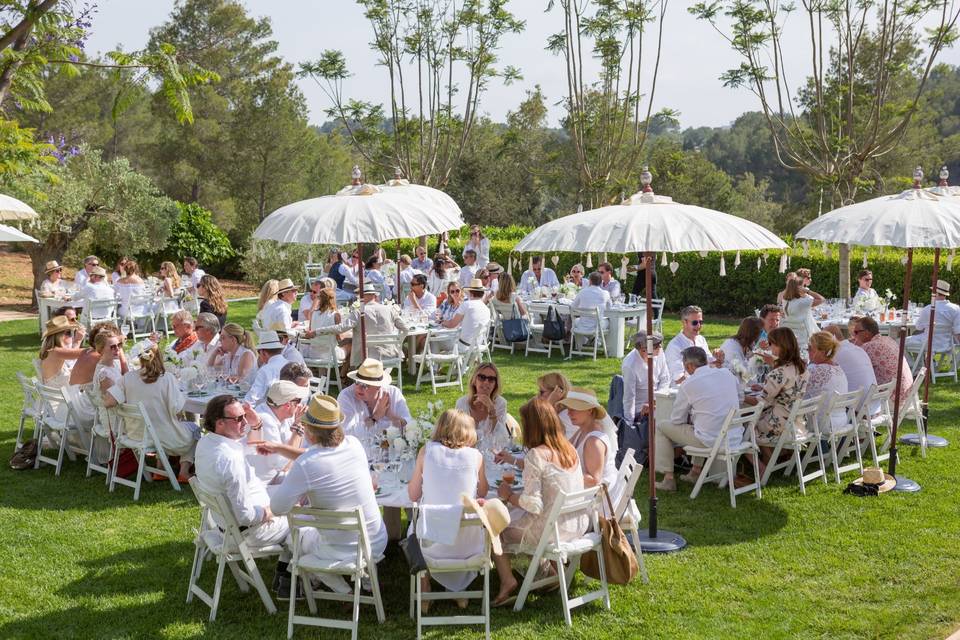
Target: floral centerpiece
[404, 444]
[569, 290]
[866, 304]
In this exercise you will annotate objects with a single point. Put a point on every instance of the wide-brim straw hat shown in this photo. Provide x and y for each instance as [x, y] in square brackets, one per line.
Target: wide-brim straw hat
[285, 285]
[583, 400]
[323, 412]
[493, 267]
[493, 514]
[98, 271]
[371, 373]
[268, 340]
[59, 324]
[476, 284]
[52, 265]
[876, 477]
[943, 288]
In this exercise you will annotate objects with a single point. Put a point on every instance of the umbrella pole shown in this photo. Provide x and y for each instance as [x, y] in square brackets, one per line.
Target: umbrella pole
[903, 484]
[915, 438]
[397, 269]
[363, 319]
[654, 540]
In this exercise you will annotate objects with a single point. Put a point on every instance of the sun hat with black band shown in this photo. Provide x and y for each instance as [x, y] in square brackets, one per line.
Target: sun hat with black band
[493, 268]
[368, 289]
[371, 373]
[268, 340]
[875, 477]
[323, 412]
[476, 284]
[286, 285]
[52, 265]
[640, 339]
[98, 271]
[943, 288]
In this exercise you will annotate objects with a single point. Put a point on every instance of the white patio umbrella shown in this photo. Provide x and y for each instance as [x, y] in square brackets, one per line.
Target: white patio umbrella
[13, 209]
[12, 234]
[915, 218]
[358, 214]
[649, 223]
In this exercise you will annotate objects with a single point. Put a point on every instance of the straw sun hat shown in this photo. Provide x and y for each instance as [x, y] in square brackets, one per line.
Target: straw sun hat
[476, 284]
[371, 373]
[323, 412]
[58, 324]
[584, 399]
[875, 476]
[494, 516]
[52, 265]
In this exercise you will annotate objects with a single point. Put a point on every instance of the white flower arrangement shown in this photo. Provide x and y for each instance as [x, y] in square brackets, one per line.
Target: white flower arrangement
[889, 297]
[741, 370]
[569, 290]
[406, 443]
[866, 304]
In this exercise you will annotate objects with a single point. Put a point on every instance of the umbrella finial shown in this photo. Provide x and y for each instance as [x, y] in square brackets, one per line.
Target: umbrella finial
[944, 174]
[918, 178]
[356, 174]
[397, 173]
[645, 179]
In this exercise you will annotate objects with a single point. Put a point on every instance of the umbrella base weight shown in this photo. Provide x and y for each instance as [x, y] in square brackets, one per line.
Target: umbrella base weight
[935, 442]
[906, 485]
[665, 542]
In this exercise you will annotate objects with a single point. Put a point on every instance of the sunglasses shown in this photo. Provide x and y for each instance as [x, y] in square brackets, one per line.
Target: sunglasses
[114, 347]
[238, 419]
[484, 378]
[94, 264]
[454, 290]
[696, 323]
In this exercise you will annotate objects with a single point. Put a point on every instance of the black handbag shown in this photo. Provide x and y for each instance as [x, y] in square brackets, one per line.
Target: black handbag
[515, 329]
[410, 546]
[553, 327]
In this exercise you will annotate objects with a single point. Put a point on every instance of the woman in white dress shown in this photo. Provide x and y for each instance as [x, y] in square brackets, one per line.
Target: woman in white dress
[798, 304]
[57, 351]
[447, 467]
[479, 244]
[268, 293]
[739, 347]
[487, 408]
[437, 279]
[131, 285]
[865, 288]
[826, 377]
[595, 441]
[373, 275]
[551, 466]
[162, 399]
[110, 369]
[235, 355]
[324, 313]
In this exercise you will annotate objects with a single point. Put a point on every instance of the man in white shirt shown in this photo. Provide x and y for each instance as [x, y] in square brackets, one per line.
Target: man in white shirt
[699, 411]
[634, 372]
[608, 284]
[349, 269]
[191, 268]
[277, 419]
[422, 263]
[946, 323]
[280, 311]
[207, 327]
[186, 349]
[591, 297]
[689, 336]
[419, 300]
[537, 276]
[83, 275]
[271, 361]
[854, 362]
[371, 404]
[96, 287]
[472, 316]
[469, 269]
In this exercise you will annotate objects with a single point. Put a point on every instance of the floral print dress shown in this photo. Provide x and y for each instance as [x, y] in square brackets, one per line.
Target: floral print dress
[784, 386]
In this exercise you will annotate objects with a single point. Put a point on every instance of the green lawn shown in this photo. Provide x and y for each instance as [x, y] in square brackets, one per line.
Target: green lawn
[80, 562]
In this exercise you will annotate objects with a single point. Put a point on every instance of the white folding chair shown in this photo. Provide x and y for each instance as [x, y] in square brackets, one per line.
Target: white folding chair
[320, 353]
[657, 304]
[499, 342]
[394, 340]
[228, 546]
[535, 341]
[135, 432]
[441, 349]
[58, 422]
[140, 314]
[596, 336]
[362, 565]
[165, 309]
[868, 422]
[912, 409]
[312, 271]
[474, 353]
[918, 358]
[721, 450]
[479, 562]
[836, 436]
[102, 430]
[317, 385]
[626, 510]
[97, 311]
[31, 406]
[551, 548]
[803, 445]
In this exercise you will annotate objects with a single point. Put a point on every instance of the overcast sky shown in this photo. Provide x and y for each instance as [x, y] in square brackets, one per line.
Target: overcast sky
[693, 56]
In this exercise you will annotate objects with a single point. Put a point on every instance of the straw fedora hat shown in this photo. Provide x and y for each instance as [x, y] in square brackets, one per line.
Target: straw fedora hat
[98, 271]
[368, 288]
[493, 268]
[583, 399]
[286, 285]
[323, 412]
[876, 477]
[494, 516]
[58, 324]
[943, 288]
[371, 373]
[52, 265]
[476, 284]
[268, 340]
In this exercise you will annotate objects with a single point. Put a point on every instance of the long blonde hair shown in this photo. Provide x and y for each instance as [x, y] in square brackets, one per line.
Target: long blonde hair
[455, 429]
[484, 367]
[327, 300]
[268, 293]
[151, 365]
[506, 287]
[50, 343]
[171, 270]
[242, 335]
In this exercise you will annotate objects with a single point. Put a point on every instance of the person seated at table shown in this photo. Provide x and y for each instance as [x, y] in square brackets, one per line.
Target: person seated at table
[447, 466]
[223, 468]
[407, 270]
[421, 262]
[187, 344]
[537, 276]
[373, 275]
[595, 441]
[785, 384]
[438, 278]
[487, 407]
[297, 373]
[791, 275]
[506, 302]
[270, 360]
[324, 313]
[331, 474]
[82, 275]
[84, 367]
[208, 335]
[211, 297]
[883, 352]
[161, 397]
[770, 314]
[276, 419]
[96, 287]
[268, 295]
[855, 363]
[128, 285]
[472, 316]
[119, 270]
[826, 378]
[798, 304]
[451, 303]
[691, 318]
[575, 276]
[738, 348]
[110, 368]
[590, 298]
[58, 351]
[492, 279]
[636, 407]
[553, 387]
[308, 299]
[864, 286]
[469, 269]
[946, 323]
[419, 300]
[170, 280]
[551, 467]
[371, 403]
[234, 354]
[609, 283]
[699, 411]
[280, 311]
[53, 286]
[380, 319]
